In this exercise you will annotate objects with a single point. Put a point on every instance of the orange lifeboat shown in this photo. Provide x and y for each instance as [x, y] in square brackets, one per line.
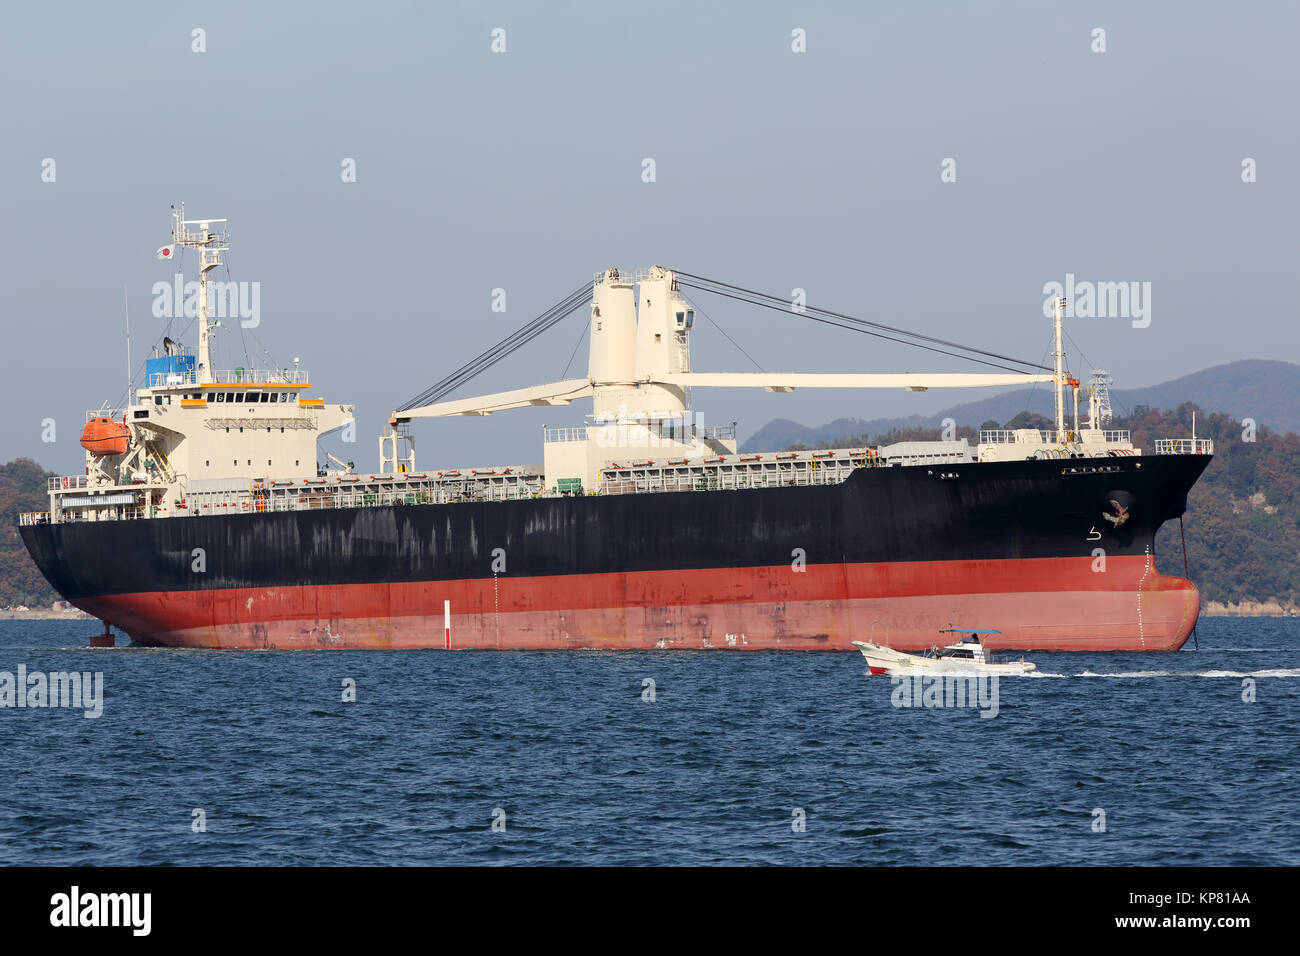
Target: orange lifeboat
[103, 437]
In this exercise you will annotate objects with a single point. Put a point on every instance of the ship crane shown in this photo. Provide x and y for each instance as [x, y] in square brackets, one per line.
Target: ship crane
[639, 373]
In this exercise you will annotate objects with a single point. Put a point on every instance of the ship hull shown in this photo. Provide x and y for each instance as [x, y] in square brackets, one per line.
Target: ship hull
[890, 554]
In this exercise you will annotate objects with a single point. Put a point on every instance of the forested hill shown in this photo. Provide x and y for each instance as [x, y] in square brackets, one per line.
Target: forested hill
[22, 488]
[1263, 389]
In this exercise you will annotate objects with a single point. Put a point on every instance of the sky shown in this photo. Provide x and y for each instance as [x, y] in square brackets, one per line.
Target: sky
[933, 166]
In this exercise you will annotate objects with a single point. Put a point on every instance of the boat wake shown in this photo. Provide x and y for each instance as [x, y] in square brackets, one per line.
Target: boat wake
[1270, 672]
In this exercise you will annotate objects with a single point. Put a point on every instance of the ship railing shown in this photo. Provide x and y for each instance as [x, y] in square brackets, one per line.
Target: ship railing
[67, 482]
[582, 433]
[117, 414]
[1114, 436]
[1184, 446]
[236, 376]
[721, 481]
[274, 376]
[33, 517]
[319, 499]
[625, 275]
[1014, 436]
[716, 432]
[159, 379]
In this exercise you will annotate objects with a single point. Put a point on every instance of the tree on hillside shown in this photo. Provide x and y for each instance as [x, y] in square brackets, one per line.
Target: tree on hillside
[22, 488]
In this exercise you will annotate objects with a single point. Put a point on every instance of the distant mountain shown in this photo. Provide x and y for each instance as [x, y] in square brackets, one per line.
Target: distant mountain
[1265, 390]
[781, 433]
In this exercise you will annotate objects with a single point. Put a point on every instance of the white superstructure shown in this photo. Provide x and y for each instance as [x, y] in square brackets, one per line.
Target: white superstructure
[192, 429]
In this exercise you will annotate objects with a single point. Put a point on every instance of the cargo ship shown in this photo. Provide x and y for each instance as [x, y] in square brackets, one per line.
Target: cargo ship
[204, 520]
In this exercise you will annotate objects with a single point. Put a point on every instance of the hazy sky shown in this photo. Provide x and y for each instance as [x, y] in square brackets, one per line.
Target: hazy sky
[522, 170]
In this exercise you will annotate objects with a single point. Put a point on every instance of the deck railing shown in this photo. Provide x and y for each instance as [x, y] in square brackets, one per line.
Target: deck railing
[1184, 446]
[1012, 436]
[1116, 436]
[236, 376]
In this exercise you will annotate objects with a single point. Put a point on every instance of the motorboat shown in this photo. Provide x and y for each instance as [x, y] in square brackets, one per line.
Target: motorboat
[967, 655]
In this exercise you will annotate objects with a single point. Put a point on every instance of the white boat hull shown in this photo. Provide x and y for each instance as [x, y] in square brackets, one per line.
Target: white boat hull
[886, 660]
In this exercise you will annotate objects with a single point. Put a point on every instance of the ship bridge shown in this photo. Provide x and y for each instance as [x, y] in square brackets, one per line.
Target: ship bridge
[190, 428]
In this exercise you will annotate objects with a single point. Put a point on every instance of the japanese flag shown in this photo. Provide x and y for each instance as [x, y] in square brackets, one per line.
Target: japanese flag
[166, 252]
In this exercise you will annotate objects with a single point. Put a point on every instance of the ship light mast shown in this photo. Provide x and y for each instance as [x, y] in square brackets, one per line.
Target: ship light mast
[210, 245]
[1060, 374]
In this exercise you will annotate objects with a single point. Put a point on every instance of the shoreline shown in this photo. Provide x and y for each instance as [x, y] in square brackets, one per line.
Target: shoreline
[1249, 609]
[72, 614]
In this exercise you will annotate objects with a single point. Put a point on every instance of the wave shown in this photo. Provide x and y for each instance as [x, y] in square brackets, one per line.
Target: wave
[1272, 672]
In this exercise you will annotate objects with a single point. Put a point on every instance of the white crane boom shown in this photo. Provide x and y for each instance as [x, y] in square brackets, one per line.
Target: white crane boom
[556, 393]
[789, 381]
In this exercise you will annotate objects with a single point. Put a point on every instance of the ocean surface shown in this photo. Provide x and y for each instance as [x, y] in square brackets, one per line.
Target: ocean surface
[740, 758]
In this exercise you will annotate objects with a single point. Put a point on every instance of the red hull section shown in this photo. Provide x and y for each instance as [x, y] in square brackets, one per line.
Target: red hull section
[1038, 604]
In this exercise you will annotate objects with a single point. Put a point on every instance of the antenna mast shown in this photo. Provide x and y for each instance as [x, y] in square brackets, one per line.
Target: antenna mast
[1100, 383]
[210, 245]
[1060, 373]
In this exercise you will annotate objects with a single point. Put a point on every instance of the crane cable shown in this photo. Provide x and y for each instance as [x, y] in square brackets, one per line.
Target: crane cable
[517, 339]
[837, 319]
[582, 295]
